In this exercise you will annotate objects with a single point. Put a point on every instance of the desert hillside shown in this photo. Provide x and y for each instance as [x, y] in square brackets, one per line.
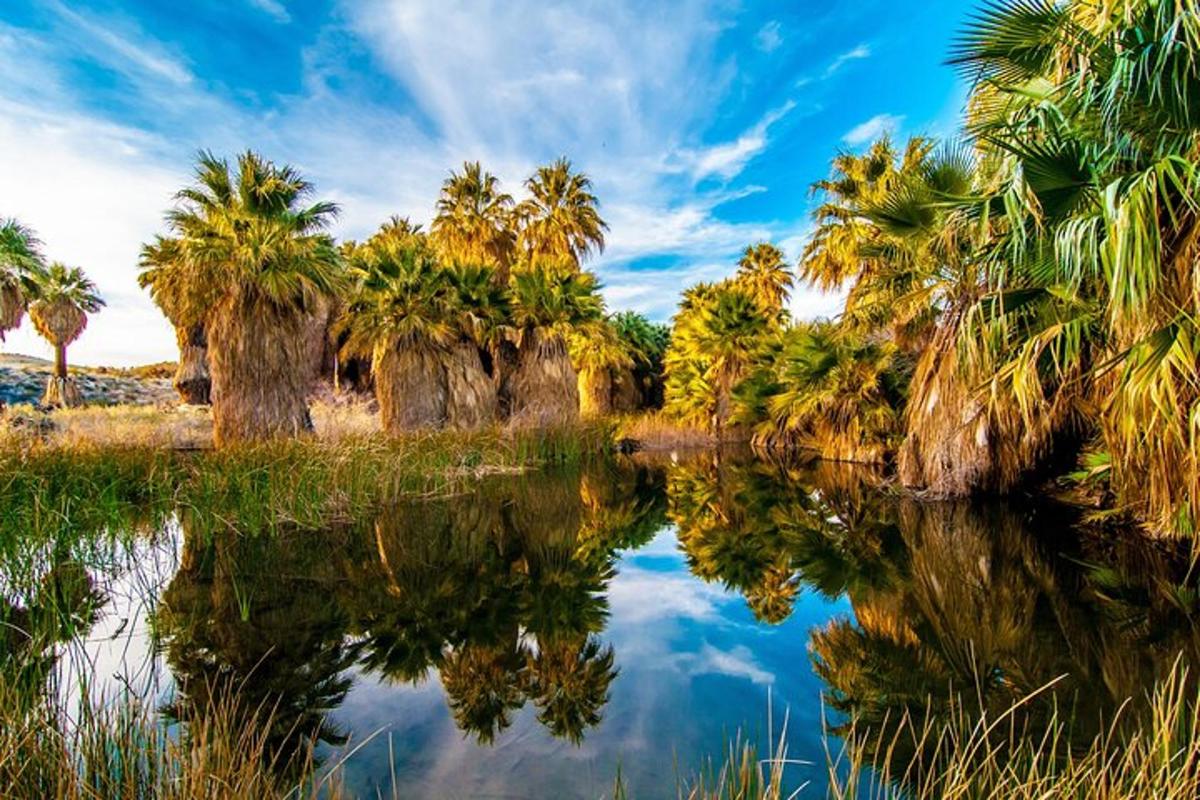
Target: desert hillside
[23, 378]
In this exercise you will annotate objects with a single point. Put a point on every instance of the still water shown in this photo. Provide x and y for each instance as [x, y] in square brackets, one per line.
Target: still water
[539, 635]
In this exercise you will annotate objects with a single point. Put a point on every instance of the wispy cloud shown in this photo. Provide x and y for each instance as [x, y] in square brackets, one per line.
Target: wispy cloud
[126, 51]
[858, 53]
[649, 100]
[769, 37]
[872, 129]
[728, 159]
[274, 8]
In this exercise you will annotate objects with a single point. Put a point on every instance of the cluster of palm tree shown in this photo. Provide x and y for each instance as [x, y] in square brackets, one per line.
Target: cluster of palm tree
[1012, 297]
[721, 331]
[465, 325]
[58, 299]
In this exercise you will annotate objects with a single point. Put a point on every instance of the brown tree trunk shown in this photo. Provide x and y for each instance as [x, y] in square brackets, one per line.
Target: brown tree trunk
[544, 388]
[411, 386]
[61, 389]
[470, 391]
[192, 379]
[262, 367]
[626, 392]
[595, 392]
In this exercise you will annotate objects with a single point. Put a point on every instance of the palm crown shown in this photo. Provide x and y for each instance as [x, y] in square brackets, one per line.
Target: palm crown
[64, 299]
[20, 268]
[560, 221]
[403, 295]
[763, 269]
[473, 222]
[246, 234]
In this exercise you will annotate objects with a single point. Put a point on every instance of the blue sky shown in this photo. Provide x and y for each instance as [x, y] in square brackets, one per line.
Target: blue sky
[702, 122]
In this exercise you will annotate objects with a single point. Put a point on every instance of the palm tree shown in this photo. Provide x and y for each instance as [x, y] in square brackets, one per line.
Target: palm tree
[1091, 110]
[258, 269]
[20, 266]
[474, 221]
[484, 685]
[719, 333]
[763, 270]
[160, 265]
[548, 306]
[569, 678]
[423, 325]
[840, 251]
[60, 311]
[826, 390]
[560, 222]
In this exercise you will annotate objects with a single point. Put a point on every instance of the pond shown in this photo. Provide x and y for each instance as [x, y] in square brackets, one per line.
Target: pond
[549, 631]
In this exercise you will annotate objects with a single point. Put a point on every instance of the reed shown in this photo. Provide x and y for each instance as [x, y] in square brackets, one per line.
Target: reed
[1150, 751]
[53, 489]
[120, 749]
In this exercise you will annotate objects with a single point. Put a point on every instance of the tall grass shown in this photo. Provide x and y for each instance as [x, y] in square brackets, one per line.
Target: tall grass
[46, 487]
[1150, 751]
[121, 750]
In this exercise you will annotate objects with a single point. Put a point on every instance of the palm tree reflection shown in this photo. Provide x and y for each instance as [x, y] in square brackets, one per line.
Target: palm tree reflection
[968, 606]
[503, 598]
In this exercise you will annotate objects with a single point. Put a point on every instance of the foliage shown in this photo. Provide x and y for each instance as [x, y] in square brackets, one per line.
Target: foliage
[473, 223]
[560, 222]
[65, 296]
[718, 334]
[21, 265]
[828, 391]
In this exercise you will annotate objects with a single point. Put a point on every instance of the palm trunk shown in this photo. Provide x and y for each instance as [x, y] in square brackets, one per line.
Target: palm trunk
[411, 385]
[61, 389]
[595, 392]
[955, 445]
[192, 379]
[262, 368]
[470, 391]
[626, 391]
[544, 388]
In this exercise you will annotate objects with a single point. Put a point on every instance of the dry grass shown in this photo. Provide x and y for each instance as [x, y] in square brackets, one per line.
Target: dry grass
[182, 427]
[167, 427]
[346, 417]
[161, 370]
[657, 431]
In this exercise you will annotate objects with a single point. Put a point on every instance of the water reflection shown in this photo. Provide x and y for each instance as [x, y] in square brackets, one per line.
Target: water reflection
[60, 606]
[502, 594]
[973, 605]
[498, 601]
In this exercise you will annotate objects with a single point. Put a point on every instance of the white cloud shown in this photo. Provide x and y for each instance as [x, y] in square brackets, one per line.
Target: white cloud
[769, 37]
[860, 52]
[128, 52]
[92, 195]
[275, 8]
[676, 596]
[872, 129]
[736, 663]
[727, 160]
[618, 88]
